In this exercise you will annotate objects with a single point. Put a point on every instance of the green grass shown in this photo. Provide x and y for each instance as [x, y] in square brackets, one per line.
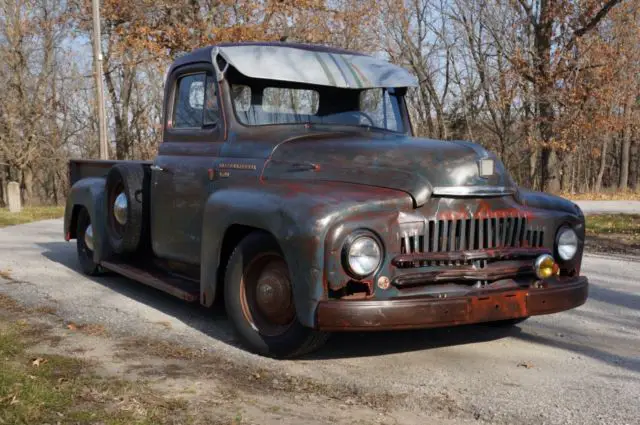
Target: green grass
[625, 224]
[29, 214]
[608, 194]
[64, 390]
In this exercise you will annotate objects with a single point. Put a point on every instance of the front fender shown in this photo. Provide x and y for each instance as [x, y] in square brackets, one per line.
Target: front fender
[299, 217]
[89, 193]
[547, 201]
[566, 212]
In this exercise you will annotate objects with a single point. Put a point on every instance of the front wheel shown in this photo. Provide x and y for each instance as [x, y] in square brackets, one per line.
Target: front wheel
[259, 300]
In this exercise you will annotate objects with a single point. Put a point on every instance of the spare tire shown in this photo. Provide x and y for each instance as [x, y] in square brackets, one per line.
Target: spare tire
[126, 207]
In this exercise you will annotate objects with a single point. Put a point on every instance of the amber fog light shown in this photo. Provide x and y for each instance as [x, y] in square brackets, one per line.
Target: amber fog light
[545, 266]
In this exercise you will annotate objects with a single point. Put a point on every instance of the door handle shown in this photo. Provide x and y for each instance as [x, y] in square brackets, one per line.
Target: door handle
[156, 168]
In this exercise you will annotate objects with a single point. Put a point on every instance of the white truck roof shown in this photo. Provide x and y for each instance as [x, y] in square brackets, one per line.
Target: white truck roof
[313, 66]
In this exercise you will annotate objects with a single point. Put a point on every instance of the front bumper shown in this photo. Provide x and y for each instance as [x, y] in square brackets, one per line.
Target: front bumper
[558, 294]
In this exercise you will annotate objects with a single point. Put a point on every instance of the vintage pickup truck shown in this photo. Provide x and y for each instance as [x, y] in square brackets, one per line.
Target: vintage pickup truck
[288, 182]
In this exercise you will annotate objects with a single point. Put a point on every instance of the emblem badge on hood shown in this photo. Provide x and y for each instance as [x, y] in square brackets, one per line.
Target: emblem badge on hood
[486, 167]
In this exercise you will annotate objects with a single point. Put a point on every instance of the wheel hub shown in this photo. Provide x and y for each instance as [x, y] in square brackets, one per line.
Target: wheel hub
[273, 295]
[120, 207]
[88, 237]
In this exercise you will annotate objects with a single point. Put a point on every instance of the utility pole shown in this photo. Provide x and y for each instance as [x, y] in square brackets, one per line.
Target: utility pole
[97, 61]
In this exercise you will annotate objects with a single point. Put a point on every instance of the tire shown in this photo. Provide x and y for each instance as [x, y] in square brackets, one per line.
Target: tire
[128, 179]
[506, 323]
[279, 334]
[85, 254]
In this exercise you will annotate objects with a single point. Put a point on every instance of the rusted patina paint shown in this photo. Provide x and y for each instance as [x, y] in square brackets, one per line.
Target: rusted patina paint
[491, 272]
[429, 312]
[311, 186]
[471, 255]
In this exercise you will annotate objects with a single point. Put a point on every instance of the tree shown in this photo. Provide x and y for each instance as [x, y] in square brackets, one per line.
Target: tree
[556, 28]
[31, 32]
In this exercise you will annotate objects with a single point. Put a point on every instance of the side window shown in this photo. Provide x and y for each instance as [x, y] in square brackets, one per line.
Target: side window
[195, 103]
[187, 111]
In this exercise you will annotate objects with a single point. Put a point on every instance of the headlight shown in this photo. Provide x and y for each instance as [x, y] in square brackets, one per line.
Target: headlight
[567, 243]
[363, 255]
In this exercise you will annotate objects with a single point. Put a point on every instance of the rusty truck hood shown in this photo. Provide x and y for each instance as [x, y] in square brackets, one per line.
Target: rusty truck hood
[420, 167]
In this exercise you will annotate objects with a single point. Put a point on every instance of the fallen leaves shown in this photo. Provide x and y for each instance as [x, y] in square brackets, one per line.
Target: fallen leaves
[525, 365]
[6, 274]
[164, 323]
[38, 361]
[88, 328]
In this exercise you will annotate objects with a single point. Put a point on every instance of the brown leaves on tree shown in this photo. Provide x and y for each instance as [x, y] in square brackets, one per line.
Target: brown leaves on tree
[550, 86]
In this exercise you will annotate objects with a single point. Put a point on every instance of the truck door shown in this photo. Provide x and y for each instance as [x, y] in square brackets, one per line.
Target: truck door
[180, 182]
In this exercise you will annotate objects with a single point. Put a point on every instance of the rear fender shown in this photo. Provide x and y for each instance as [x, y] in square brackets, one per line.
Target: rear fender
[89, 193]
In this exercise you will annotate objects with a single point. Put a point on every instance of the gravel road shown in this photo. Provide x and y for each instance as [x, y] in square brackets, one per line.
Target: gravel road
[577, 367]
[609, 207]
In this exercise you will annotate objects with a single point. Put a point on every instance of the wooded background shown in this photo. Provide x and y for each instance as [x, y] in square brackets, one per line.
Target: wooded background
[553, 87]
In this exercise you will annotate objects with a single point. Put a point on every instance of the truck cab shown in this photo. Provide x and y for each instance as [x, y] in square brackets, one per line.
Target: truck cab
[289, 183]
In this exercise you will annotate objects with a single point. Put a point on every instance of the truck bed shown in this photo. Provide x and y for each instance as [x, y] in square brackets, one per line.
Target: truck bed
[81, 168]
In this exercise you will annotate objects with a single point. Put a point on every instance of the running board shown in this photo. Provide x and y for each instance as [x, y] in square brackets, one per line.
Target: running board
[181, 288]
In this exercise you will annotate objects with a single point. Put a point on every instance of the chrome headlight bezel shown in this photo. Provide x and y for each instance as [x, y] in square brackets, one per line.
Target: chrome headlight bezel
[567, 243]
[351, 243]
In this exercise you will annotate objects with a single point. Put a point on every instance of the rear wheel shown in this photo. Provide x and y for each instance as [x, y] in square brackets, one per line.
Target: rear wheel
[85, 244]
[259, 300]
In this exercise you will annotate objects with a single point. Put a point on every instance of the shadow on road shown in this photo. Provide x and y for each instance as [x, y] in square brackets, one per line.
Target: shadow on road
[611, 296]
[363, 344]
[631, 363]
[213, 322]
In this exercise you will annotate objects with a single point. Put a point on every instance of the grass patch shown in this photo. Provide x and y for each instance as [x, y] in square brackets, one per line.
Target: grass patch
[29, 214]
[604, 195]
[613, 234]
[626, 224]
[64, 390]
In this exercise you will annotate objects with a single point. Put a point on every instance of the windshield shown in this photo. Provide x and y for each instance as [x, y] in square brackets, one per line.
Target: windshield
[262, 104]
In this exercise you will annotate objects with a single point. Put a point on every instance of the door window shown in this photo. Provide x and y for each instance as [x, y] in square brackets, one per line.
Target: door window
[196, 104]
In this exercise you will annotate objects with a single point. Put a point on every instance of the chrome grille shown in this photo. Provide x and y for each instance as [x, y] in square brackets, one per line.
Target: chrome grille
[469, 234]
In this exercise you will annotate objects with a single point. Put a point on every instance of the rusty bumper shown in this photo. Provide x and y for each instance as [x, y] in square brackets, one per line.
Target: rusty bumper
[429, 312]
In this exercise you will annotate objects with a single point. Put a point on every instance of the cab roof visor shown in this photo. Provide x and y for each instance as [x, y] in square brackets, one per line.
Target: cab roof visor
[323, 68]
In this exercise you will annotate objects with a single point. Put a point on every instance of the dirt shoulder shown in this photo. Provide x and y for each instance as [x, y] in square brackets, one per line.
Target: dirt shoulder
[52, 371]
